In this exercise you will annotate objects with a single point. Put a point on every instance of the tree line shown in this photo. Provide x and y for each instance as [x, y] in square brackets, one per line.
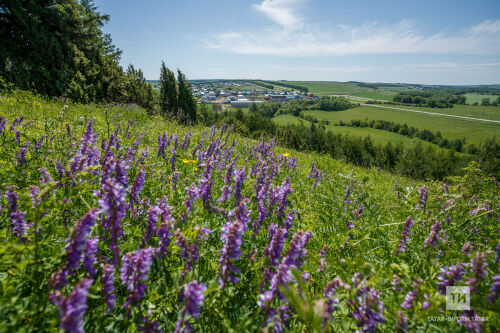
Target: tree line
[457, 144]
[288, 85]
[295, 107]
[58, 48]
[430, 98]
[416, 160]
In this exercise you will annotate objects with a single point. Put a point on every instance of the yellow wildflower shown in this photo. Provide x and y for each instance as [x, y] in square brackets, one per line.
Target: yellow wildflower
[286, 154]
[185, 161]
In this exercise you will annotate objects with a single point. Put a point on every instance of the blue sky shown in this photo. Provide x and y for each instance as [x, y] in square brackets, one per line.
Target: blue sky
[432, 42]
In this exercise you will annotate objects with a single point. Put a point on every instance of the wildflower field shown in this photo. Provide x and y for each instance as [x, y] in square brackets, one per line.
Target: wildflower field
[113, 220]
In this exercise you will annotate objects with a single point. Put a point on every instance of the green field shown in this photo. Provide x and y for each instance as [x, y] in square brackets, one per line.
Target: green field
[474, 132]
[473, 98]
[286, 119]
[378, 136]
[474, 111]
[375, 91]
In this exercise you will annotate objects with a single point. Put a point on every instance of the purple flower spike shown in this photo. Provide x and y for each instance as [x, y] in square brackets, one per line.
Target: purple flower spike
[134, 271]
[478, 265]
[231, 238]
[72, 309]
[495, 289]
[239, 183]
[423, 192]
[412, 295]
[76, 244]
[433, 238]
[405, 235]
[194, 293]
[137, 187]
[277, 238]
[448, 277]
[89, 259]
[367, 309]
[108, 284]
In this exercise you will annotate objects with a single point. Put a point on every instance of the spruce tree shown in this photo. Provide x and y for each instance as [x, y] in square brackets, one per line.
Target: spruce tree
[186, 101]
[168, 92]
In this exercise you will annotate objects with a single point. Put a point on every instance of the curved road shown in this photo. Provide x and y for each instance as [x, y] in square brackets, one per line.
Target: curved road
[433, 113]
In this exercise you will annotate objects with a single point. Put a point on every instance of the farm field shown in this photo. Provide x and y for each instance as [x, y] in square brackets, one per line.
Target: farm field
[378, 136]
[473, 111]
[372, 91]
[477, 98]
[474, 132]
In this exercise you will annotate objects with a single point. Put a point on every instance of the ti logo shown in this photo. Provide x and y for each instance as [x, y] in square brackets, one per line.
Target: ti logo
[458, 298]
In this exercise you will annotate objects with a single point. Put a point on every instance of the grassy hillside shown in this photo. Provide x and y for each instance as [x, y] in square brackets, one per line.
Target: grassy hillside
[216, 232]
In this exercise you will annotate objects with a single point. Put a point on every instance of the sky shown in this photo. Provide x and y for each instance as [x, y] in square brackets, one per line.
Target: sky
[424, 41]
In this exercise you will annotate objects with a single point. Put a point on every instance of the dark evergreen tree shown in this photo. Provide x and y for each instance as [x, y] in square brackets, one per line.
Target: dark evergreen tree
[186, 101]
[168, 92]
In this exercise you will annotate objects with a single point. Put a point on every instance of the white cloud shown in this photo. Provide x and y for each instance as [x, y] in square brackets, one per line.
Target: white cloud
[292, 36]
[488, 26]
[282, 12]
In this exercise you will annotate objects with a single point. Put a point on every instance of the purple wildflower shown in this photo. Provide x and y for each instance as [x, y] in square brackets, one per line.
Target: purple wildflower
[34, 191]
[239, 179]
[277, 238]
[76, 243]
[423, 192]
[163, 230]
[395, 283]
[72, 309]
[194, 293]
[329, 293]
[367, 309]
[134, 271]
[448, 277]
[471, 321]
[288, 221]
[89, 259]
[137, 186]
[425, 303]
[478, 264]
[147, 325]
[405, 235]
[495, 289]
[113, 202]
[466, 248]
[108, 284]
[322, 260]
[144, 154]
[231, 238]
[296, 251]
[18, 224]
[154, 211]
[39, 143]
[283, 193]
[22, 153]
[432, 239]
[412, 295]
[357, 212]
[402, 322]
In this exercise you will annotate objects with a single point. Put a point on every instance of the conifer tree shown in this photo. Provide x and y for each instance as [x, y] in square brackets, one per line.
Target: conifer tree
[168, 92]
[186, 101]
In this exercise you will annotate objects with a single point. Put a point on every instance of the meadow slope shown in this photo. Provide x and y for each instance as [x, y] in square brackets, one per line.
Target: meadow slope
[116, 220]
